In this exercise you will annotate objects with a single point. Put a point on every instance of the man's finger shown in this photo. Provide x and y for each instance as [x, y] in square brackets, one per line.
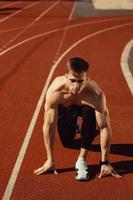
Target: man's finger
[45, 170]
[38, 170]
[101, 174]
[41, 172]
[55, 171]
[114, 174]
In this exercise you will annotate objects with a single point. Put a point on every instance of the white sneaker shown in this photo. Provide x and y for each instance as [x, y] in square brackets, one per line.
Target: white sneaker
[81, 170]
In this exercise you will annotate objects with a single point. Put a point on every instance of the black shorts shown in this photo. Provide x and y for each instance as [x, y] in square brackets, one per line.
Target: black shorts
[67, 123]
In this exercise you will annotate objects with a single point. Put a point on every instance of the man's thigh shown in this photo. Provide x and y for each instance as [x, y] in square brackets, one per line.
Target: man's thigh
[67, 122]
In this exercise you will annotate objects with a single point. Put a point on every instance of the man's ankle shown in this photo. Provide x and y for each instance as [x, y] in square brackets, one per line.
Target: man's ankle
[82, 158]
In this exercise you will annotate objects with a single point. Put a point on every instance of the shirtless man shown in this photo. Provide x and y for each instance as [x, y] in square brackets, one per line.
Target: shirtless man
[68, 97]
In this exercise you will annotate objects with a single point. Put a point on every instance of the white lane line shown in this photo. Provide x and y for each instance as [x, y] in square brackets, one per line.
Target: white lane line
[28, 135]
[46, 11]
[10, 4]
[19, 11]
[125, 66]
[60, 29]
[54, 21]
[39, 24]
[64, 35]
[72, 11]
[28, 26]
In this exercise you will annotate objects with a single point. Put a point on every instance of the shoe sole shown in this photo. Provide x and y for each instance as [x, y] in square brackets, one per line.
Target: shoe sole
[82, 179]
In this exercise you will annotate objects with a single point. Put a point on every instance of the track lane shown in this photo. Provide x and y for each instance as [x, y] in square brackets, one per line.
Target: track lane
[9, 21]
[30, 20]
[24, 92]
[7, 5]
[19, 83]
[28, 30]
[19, 10]
[61, 29]
[38, 18]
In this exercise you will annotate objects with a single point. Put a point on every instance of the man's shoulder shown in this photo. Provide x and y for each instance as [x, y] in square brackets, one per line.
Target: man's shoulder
[54, 92]
[58, 79]
[55, 95]
[57, 83]
[94, 87]
[53, 99]
[100, 97]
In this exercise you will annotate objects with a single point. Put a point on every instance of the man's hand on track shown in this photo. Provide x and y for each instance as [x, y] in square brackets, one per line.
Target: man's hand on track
[108, 170]
[47, 167]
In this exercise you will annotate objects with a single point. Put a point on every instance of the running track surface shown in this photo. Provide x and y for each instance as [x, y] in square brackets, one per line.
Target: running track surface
[25, 64]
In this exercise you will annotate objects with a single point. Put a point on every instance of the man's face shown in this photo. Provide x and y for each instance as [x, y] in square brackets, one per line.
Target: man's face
[76, 82]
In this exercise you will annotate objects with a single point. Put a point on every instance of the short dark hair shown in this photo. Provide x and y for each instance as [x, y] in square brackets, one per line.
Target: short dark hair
[77, 65]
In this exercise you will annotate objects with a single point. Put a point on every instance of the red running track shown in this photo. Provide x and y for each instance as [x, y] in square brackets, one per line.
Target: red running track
[23, 73]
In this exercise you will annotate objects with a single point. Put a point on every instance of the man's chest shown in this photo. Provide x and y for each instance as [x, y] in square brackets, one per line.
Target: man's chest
[81, 99]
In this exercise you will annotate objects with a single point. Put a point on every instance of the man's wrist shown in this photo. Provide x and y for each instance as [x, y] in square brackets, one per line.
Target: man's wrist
[106, 162]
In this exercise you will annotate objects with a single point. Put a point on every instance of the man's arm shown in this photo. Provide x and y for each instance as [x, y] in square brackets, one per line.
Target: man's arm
[50, 120]
[105, 133]
[48, 131]
[103, 121]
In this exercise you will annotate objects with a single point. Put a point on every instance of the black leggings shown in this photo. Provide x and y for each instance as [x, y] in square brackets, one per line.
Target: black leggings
[67, 123]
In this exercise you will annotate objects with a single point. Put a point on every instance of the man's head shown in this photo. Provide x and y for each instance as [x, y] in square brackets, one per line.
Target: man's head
[77, 65]
[77, 69]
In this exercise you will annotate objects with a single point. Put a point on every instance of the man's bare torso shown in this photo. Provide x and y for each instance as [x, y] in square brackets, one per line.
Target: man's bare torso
[59, 92]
